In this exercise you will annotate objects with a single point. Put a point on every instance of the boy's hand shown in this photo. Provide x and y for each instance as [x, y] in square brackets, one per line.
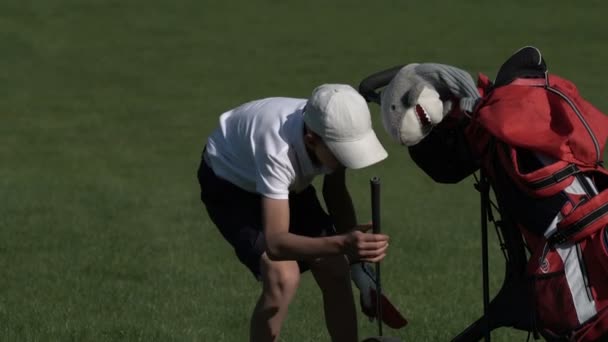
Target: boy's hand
[359, 246]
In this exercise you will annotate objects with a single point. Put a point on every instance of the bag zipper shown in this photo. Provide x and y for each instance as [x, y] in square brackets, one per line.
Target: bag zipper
[581, 262]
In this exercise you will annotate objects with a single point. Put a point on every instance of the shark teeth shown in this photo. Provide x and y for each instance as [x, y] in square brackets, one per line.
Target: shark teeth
[424, 118]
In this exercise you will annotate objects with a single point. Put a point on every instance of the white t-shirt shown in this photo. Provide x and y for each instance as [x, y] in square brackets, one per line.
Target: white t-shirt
[259, 147]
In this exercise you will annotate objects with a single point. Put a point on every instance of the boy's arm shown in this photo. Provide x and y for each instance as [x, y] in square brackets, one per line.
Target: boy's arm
[338, 201]
[282, 245]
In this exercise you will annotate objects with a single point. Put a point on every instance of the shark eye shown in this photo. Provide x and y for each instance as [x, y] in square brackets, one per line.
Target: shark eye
[405, 100]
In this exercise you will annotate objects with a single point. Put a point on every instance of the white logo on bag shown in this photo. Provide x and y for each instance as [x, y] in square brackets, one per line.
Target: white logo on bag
[544, 265]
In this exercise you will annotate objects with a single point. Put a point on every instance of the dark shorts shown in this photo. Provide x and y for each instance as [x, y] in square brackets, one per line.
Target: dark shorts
[238, 216]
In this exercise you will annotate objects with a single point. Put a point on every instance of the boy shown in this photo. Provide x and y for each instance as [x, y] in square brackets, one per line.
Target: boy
[255, 179]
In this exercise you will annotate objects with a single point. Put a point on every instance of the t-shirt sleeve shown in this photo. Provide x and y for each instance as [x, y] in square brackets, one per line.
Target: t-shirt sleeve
[274, 176]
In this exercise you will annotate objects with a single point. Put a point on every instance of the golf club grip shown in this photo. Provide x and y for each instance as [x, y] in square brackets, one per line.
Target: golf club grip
[369, 86]
[375, 189]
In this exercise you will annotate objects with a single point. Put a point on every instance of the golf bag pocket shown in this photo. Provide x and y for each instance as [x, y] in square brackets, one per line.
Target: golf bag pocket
[585, 220]
[569, 270]
[555, 311]
[536, 174]
[569, 283]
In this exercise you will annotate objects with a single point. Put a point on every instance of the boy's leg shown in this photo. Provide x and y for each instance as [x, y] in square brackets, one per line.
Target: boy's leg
[333, 277]
[237, 215]
[280, 280]
[332, 274]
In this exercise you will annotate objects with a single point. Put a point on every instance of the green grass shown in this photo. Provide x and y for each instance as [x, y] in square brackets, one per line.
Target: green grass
[105, 106]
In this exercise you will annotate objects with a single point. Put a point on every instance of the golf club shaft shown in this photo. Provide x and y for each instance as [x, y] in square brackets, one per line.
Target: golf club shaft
[375, 189]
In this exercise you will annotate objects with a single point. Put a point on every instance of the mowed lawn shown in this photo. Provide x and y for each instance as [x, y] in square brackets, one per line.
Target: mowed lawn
[105, 106]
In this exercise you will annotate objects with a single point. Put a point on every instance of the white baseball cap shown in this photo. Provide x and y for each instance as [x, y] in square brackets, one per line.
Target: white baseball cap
[341, 117]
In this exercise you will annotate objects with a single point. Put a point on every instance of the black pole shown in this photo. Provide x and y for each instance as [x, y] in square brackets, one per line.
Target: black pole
[485, 200]
[375, 189]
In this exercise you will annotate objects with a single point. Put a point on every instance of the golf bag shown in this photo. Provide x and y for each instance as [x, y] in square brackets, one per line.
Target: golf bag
[539, 146]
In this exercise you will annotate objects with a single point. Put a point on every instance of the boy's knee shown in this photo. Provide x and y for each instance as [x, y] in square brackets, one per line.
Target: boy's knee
[281, 281]
[286, 282]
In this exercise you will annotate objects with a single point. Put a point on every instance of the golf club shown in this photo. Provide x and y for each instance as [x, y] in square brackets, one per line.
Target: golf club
[376, 223]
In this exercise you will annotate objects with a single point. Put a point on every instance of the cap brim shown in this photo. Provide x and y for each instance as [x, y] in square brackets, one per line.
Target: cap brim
[359, 153]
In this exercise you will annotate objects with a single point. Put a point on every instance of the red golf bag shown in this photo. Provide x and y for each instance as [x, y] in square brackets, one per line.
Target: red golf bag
[539, 146]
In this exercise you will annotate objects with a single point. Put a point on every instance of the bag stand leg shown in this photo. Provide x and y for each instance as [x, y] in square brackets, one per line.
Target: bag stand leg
[485, 199]
[510, 307]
